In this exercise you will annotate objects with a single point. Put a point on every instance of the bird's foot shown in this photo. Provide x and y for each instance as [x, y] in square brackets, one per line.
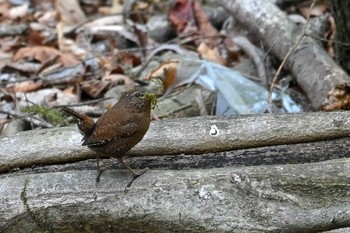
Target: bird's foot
[99, 173]
[135, 176]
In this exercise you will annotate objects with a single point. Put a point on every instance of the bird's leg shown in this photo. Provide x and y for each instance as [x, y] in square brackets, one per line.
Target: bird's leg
[134, 174]
[99, 170]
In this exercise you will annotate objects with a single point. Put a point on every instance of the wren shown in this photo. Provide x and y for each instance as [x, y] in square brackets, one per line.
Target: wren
[119, 129]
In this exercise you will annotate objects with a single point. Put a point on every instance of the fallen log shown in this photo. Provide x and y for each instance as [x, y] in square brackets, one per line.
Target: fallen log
[179, 136]
[282, 198]
[210, 192]
[323, 81]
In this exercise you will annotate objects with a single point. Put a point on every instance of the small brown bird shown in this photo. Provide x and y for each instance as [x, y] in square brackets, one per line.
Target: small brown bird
[119, 129]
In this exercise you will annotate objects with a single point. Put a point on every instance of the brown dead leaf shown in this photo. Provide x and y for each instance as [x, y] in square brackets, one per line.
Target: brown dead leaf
[181, 15]
[232, 50]
[207, 30]
[70, 90]
[95, 88]
[317, 10]
[188, 17]
[137, 10]
[19, 12]
[118, 78]
[338, 98]
[210, 54]
[9, 43]
[48, 63]
[27, 86]
[47, 96]
[44, 54]
[107, 63]
[141, 5]
[35, 38]
[129, 59]
[47, 18]
[166, 72]
[70, 13]
[68, 46]
[41, 54]
[4, 9]
[117, 8]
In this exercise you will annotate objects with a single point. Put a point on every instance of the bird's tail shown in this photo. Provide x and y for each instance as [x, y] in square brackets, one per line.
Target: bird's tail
[73, 113]
[85, 124]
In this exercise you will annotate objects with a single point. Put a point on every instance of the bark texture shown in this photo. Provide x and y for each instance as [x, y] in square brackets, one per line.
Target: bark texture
[210, 192]
[315, 71]
[285, 198]
[341, 13]
[179, 136]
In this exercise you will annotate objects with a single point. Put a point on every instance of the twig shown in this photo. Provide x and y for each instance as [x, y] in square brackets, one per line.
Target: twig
[29, 117]
[251, 50]
[84, 103]
[269, 50]
[327, 40]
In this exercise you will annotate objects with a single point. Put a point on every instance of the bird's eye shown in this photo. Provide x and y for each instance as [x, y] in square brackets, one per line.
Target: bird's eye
[138, 94]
